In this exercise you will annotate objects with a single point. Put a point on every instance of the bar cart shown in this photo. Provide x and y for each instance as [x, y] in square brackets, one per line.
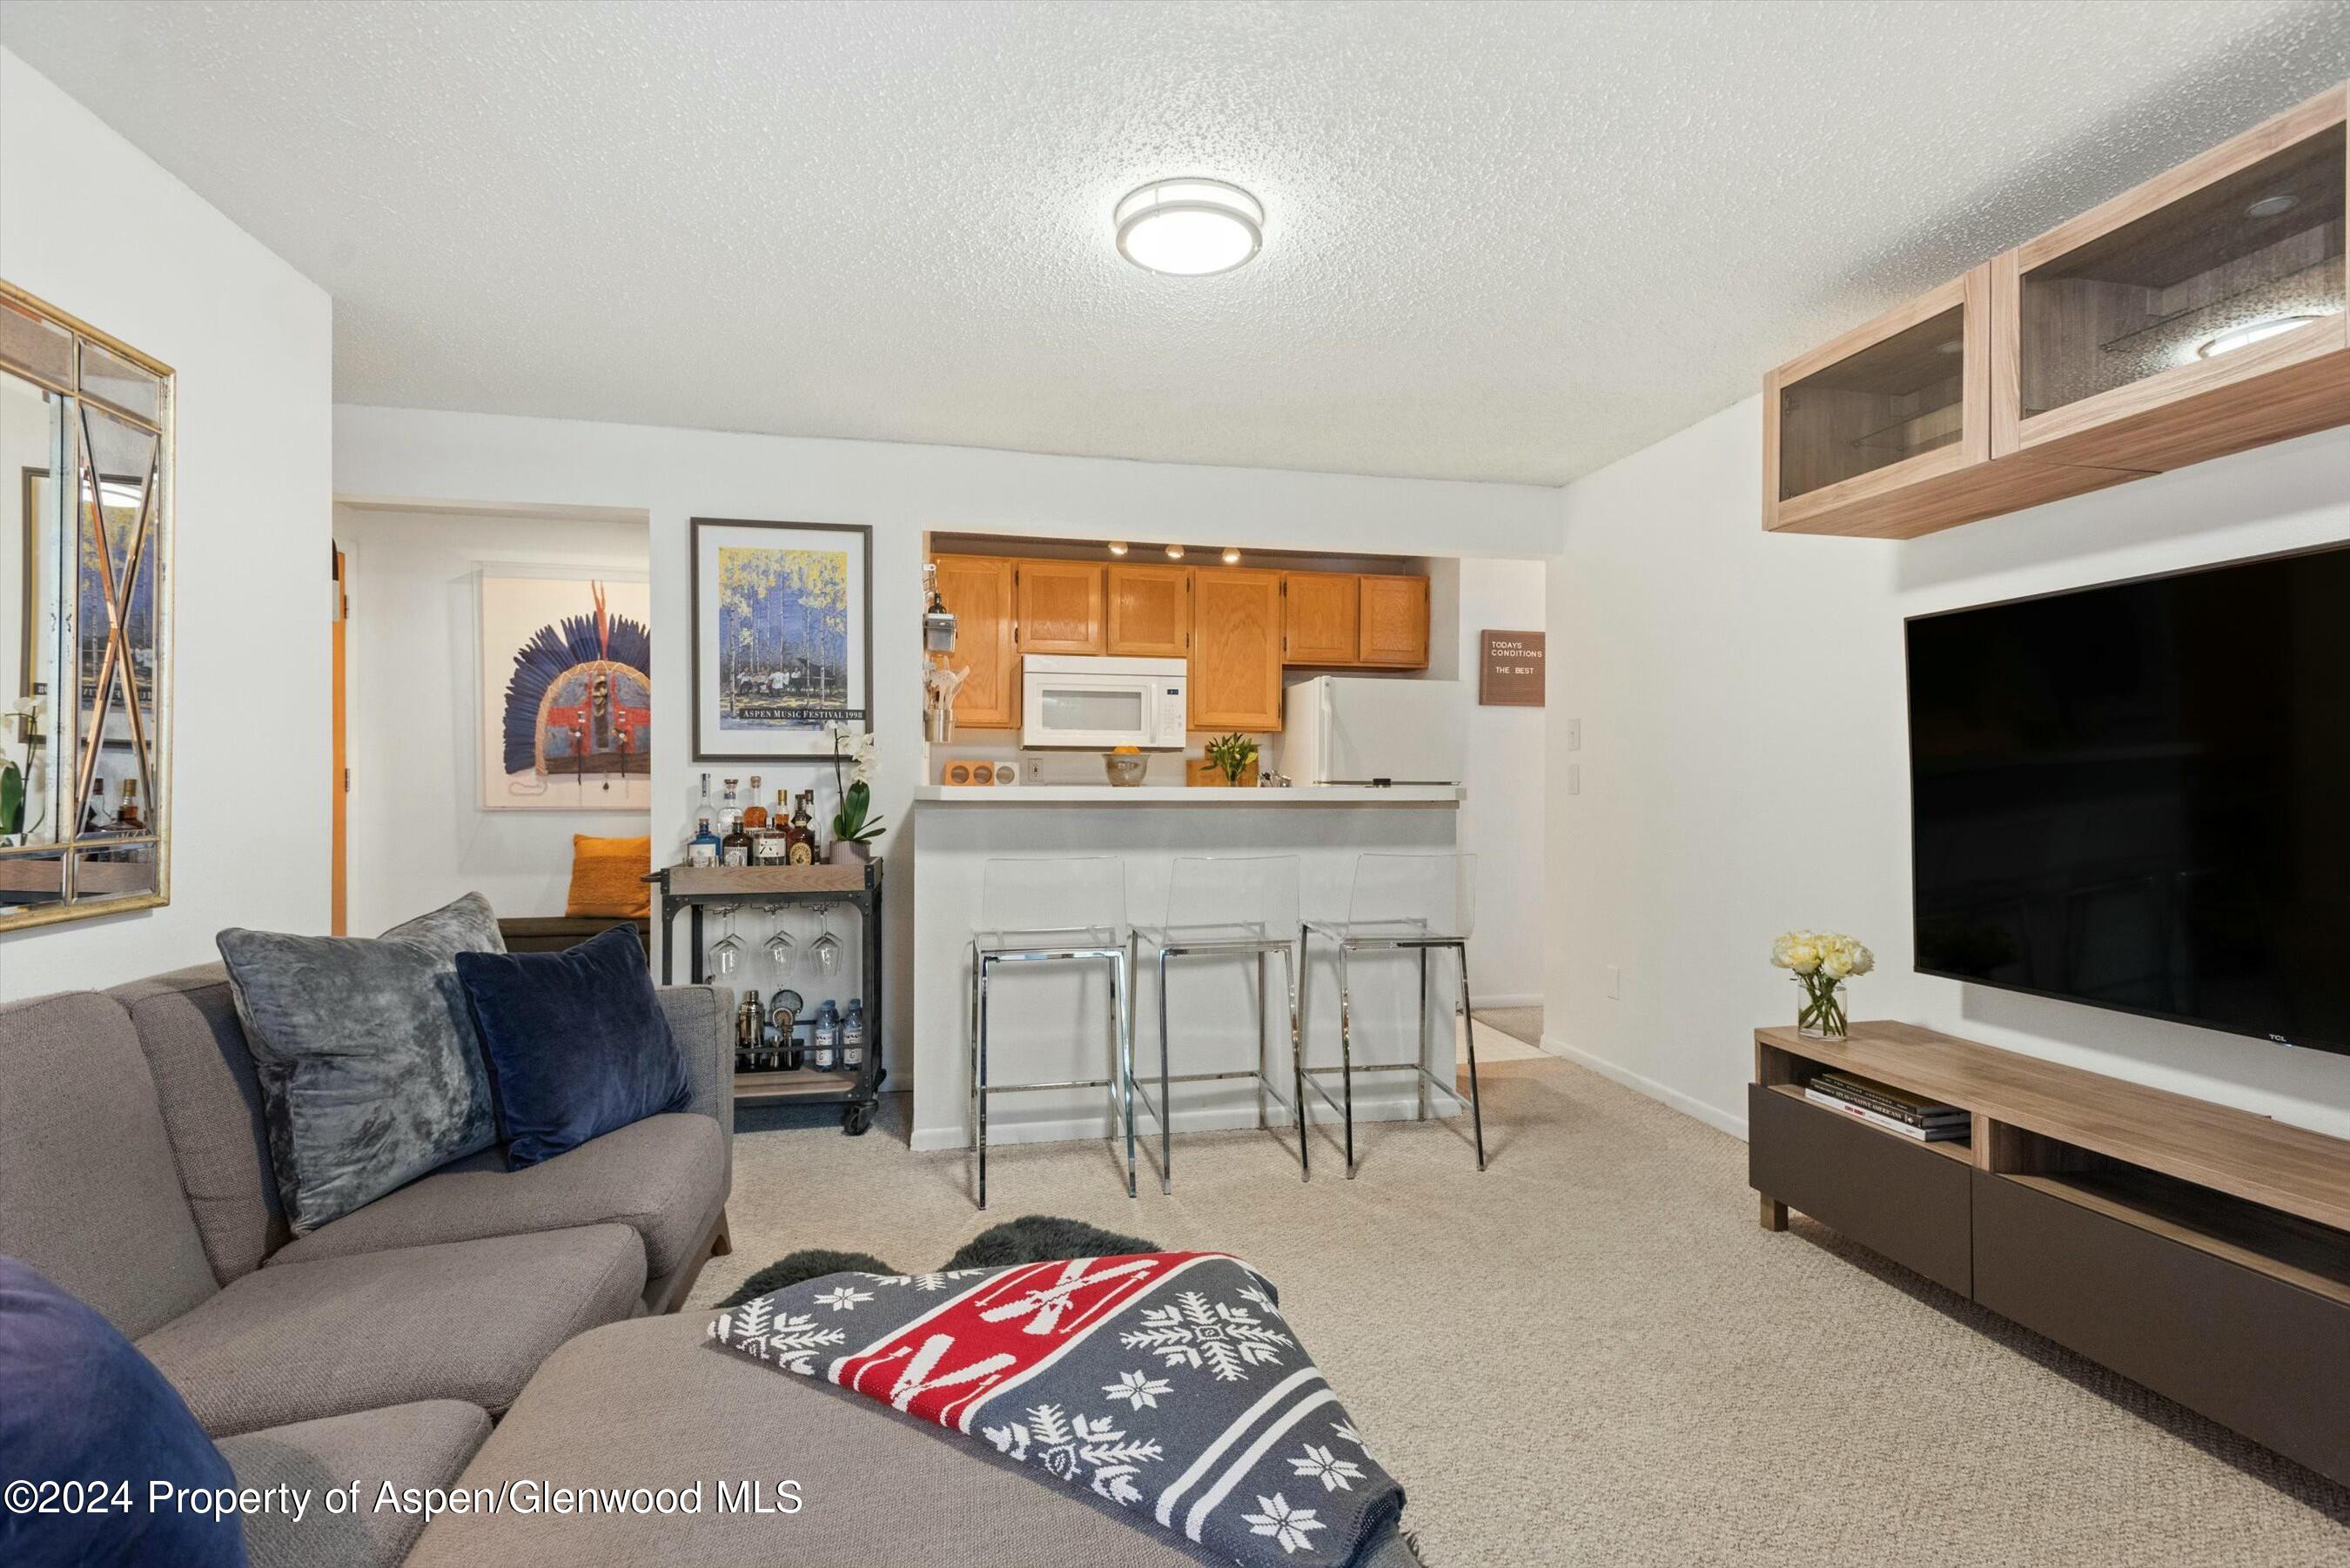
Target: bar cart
[695, 889]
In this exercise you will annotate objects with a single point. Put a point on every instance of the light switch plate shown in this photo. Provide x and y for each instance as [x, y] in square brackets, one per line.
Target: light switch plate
[1574, 734]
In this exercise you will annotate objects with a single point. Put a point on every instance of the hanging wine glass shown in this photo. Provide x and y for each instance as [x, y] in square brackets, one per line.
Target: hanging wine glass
[726, 952]
[825, 949]
[780, 946]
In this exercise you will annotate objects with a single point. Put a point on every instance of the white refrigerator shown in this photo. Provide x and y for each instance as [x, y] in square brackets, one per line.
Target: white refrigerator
[1359, 729]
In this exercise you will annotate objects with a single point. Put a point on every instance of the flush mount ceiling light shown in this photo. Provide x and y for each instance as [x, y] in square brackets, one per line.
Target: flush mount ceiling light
[1118, 547]
[1174, 552]
[1190, 227]
[2245, 337]
[2269, 207]
[1232, 556]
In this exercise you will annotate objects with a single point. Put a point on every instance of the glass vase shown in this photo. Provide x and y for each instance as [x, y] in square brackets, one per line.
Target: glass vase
[1820, 1012]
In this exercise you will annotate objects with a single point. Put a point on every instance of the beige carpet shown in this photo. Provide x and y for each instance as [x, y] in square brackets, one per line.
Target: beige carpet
[1592, 1354]
[1517, 1022]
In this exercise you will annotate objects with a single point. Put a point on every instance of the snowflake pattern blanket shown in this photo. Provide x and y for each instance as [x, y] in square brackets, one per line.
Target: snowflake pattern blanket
[1168, 1383]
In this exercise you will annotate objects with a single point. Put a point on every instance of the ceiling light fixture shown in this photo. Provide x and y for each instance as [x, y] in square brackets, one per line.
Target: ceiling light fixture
[2245, 337]
[1118, 546]
[1190, 227]
[1174, 552]
[2269, 207]
[1232, 556]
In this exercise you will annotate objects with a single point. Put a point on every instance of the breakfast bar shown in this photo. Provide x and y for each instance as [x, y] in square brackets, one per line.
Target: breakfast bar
[1049, 1023]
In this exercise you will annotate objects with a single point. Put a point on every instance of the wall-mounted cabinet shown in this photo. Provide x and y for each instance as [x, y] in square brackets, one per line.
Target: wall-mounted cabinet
[1149, 611]
[1393, 629]
[1059, 605]
[1319, 619]
[1235, 674]
[2198, 315]
[978, 590]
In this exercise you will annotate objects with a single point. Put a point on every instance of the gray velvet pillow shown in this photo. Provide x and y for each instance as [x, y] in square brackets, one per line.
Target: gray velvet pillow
[372, 1074]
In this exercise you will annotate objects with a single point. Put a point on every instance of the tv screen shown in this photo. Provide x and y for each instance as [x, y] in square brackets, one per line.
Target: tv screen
[2138, 797]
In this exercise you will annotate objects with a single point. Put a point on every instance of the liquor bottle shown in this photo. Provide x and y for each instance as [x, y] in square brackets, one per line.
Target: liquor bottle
[852, 1036]
[730, 815]
[750, 1030]
[702, 848]
[801, 847]
[734, 849]
[824, 1053]
[126, 816]
[754, 815]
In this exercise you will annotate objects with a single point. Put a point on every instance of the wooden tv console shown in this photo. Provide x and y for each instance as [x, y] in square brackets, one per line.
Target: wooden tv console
[2201, 1250]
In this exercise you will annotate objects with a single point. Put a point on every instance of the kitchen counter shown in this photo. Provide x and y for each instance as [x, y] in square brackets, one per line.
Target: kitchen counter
[1181, 794]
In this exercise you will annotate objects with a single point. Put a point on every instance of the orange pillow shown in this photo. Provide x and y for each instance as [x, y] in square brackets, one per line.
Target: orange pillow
[607, 876]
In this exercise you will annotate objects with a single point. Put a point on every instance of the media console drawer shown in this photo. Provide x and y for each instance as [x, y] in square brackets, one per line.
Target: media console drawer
[2258, 1353]
[1903, 1199]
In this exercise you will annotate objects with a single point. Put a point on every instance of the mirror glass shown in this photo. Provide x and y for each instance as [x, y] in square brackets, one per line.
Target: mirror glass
[84, 622]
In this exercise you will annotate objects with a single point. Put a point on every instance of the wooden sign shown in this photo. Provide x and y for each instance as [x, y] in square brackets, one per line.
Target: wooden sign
[1511, 675]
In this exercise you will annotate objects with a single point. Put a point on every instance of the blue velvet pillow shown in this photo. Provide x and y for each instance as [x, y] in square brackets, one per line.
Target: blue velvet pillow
[78, 1403]
[576, 1041]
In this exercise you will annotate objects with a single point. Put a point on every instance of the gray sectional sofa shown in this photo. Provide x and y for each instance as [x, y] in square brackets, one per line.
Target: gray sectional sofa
[475, 1330]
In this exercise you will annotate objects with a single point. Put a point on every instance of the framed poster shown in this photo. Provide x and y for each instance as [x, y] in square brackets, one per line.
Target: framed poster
[783, 637]
[1511, 673]
[567, 692]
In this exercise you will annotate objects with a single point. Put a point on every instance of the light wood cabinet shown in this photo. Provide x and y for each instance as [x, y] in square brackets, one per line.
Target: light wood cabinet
[1319, 619]
[2198, 315]
[1059, 607]
[978, 590]
[1235, 673]
[1392, 627]
[1149, 611]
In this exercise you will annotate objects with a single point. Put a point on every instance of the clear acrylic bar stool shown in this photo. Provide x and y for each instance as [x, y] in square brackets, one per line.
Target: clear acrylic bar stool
[1403, 903]
[1053, 911]
[1227, 906]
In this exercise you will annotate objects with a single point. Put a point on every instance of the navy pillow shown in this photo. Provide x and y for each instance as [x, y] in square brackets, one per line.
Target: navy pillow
[78, 1403]
[576, 1041]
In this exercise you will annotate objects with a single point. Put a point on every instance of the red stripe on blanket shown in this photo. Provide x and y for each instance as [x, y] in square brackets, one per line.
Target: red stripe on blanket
[945, 1364]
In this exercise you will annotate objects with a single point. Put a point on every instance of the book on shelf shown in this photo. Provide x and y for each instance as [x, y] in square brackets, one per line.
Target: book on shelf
[1898, 1104]
[1937, 1131]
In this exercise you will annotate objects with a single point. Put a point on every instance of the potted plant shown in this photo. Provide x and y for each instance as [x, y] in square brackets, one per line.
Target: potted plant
[854, 829]
[1821, 962]
[1232, 755]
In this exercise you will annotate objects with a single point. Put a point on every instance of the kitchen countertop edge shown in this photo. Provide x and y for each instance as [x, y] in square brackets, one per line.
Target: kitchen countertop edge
[1438, 795]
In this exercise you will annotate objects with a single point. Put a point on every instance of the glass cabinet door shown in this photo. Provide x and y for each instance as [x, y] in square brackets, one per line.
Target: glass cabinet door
[1892, 404]
[2244, 259]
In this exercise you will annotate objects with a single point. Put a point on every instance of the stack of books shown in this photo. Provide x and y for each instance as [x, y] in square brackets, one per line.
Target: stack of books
[1883, 1105]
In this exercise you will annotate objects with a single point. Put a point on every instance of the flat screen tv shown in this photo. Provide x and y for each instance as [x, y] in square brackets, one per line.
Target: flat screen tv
[2138, 796]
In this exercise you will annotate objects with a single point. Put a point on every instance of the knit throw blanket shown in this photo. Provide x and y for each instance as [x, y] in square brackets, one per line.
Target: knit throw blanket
[1167, 1383]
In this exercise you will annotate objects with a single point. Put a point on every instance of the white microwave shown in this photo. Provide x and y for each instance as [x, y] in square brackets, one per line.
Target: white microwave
[1097, 704]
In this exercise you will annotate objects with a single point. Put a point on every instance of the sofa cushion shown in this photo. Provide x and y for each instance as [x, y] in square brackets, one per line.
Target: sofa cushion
[89, 1195]
[652, 1404]
[665, 1178]
[421, 1445]
[466, 1320]
[370, 1071]
[205, 1078]
[78, 1406]
[576, 1042]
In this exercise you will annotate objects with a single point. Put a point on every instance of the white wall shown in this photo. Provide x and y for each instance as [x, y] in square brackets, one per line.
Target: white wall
[95, 228]
[1504, 818]
[900, 490]
[1745, 764]
[418, 836]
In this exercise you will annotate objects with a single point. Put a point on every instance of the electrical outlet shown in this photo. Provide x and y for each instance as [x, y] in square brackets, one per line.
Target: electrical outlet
[1574, 734]
[1574, 778]
[1615, 980]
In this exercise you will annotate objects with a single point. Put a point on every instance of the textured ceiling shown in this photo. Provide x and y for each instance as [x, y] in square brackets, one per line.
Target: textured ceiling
[1503, 241]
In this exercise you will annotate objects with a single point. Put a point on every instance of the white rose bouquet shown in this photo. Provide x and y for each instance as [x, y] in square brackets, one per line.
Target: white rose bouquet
[1822, 962]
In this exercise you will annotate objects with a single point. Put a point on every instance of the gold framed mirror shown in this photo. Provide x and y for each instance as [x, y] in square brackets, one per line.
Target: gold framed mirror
[86, 470]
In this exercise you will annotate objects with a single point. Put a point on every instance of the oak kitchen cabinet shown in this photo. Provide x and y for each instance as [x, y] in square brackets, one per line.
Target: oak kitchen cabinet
[1392, 629]
[1058, 607]
[978, 590]
[1149, 611]
[1236, 624]
[1320, 617]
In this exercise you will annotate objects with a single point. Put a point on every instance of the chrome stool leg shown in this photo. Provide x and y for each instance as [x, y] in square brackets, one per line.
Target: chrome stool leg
[1166, 1099]
[985, 963]
[1420, 1079]
[1297, 1060]
[1126, 1062]
[1469, 1031]
[1264, 1049]
[1346, 1052]
[1121, 1023]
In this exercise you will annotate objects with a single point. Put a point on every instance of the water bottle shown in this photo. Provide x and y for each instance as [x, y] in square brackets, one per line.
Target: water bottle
[824, 1052]
[852, 1037]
